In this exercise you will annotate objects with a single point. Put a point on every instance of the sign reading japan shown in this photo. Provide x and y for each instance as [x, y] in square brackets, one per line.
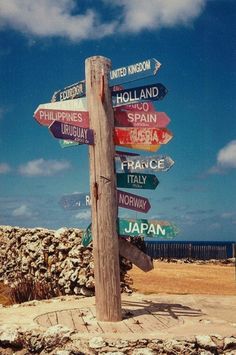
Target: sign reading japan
[142, 136]
[143, 93]
[133, 72]
[73, 133]
[73, 91]
[147, 228]
[137, 181]
[153, 163]
[75, 201]
[133, 202]
[132, 118]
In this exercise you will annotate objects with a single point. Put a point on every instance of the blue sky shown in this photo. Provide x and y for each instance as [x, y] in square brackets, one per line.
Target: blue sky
[43, 46]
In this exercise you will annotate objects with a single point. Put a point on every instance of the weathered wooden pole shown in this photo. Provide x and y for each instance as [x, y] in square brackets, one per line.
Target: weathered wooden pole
[103, 191]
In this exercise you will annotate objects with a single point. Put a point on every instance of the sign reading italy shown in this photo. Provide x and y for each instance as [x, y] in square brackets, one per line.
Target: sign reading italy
[143, 93]
[66, 131]
[133, 72]
[133, 164]
[148, 228]
[71, 92]
[137, 181]
[133, 202]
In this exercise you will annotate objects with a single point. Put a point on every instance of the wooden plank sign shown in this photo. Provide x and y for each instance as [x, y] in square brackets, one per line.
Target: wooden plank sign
[134, 72]
[73, 133]
[143, 93]
[71, 92]
[45, 117]
[143, 164]
[145, 136]
[133, 202]
[148, 228]
[124, 118]
[137, 181]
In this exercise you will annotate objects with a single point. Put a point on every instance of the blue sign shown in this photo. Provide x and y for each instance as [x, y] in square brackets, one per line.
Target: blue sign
[143, 164]
[142, 93]
[70, 132]
[75, 201]
[71, 92]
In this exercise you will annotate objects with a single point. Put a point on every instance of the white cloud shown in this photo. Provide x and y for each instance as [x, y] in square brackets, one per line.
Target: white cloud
[61, 18]
[226, 159]
[151, 14]
[84, 215]
[41, 167]
[22, 211]
[4, 168]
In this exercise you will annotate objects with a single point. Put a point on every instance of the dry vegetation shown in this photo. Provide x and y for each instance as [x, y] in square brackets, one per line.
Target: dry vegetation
[174, 278]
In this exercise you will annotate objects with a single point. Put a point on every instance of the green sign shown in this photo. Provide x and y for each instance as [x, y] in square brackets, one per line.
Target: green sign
[148, 228]
[137, 181]
[64, 143]
[87, 236]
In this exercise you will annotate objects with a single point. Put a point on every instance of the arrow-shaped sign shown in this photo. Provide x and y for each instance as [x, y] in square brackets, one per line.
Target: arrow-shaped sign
[133, 118]
[143, 93]
[137, 181]
[45, 117]
[146, 106]
[73, 91]
[146, 147]
[142, 136]
[65, 144]
[143, 164]
[148, 228]
[73, 133]
[133, 202]
[133, 72]
[75, 201]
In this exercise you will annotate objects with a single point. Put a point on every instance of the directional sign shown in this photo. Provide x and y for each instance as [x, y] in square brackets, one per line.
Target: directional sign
[147, 228]
[120, 153]
[144, 164]
[133, 202]
[87, 236]
[142, 136]
[66, 131]
[73, 91]
[133, 72]
[146, 147]
[137, 181]
[70, 105]
[75, 201]
[146, 106]
[143, 93]
[140, 119]
[46, 116]
[65, 144]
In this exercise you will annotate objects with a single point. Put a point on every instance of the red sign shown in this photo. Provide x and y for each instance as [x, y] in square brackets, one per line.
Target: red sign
[133, 202]
[47, 116]
[141, 119]
[142, 136]
[146, 106]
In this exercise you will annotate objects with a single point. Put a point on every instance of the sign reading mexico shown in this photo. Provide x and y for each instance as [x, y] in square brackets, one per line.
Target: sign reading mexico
[133, 72]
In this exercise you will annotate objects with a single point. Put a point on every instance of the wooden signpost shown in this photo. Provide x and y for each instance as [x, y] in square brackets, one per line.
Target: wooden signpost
[77, 119]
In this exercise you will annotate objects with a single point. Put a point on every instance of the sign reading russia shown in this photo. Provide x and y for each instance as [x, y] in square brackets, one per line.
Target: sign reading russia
[143, 93]
[73, 91]
[142, 136]
[73, 133]
[133, 72]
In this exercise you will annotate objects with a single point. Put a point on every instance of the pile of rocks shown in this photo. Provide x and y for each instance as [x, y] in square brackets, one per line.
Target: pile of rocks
[51, 257]
[58, 340]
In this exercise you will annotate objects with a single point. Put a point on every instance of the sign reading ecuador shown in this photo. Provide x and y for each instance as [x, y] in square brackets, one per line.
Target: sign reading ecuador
[134, 72]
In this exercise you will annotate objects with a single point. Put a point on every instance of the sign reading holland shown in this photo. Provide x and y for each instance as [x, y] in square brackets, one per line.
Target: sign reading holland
[133, 72]
[75, 201]
[153, 163]
[133, 202]
[147, 228]
[73, 133]
[73, 91]
[137, 181]
[143, 93]
[142, 136]
[132, 118]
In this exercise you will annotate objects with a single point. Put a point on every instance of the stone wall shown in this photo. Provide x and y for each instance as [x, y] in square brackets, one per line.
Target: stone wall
[51, 257]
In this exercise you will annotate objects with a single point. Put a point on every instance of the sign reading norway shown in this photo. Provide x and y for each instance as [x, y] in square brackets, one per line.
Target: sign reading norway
[133, 72]
[142, 93]
[147, 228]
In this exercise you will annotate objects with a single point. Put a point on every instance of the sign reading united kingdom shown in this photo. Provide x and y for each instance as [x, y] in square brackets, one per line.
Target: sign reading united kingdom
[133, 72]
[142, 93]
[73, 91]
